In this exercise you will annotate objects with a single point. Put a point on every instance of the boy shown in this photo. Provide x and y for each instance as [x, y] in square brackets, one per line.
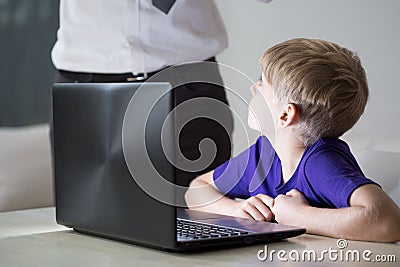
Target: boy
[315, 91]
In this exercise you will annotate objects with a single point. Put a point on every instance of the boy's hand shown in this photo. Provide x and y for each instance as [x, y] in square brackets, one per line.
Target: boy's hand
[256, 207]
[286, 207]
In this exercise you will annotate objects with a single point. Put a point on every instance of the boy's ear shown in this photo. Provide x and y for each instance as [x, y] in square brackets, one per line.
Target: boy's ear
[288, 116]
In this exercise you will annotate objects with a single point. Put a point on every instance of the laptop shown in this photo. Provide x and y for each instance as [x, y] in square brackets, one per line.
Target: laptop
[98, 193]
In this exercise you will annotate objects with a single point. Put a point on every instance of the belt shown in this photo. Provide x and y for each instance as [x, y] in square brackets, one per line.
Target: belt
[105, 77]
[138, 77]
[111, 77]
[130, 77]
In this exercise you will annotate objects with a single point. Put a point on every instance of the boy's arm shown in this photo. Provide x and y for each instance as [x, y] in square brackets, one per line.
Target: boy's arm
[372, 215]
[203, 195]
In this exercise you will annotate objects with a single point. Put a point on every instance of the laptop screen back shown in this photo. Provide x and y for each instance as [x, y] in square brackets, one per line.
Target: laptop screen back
[95, 192]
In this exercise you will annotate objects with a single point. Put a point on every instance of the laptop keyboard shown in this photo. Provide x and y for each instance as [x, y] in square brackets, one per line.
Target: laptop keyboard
[196, 230]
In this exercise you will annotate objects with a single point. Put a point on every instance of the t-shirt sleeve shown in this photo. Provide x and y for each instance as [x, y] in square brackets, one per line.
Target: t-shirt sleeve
[234, 176]
[334, 175]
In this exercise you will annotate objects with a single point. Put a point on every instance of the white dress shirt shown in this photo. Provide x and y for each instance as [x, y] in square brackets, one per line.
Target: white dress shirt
[121, 36]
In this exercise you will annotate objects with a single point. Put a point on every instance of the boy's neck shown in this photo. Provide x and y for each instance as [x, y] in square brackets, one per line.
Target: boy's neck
[290, 152]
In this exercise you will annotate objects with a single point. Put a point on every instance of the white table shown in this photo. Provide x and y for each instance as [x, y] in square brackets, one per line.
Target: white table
[32, 238]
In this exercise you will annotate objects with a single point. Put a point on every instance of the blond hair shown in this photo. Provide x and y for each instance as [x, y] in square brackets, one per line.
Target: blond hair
[325, 81]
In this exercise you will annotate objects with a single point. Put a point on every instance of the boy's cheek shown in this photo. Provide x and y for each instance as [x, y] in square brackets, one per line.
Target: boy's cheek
[252, 117]
[260, 118]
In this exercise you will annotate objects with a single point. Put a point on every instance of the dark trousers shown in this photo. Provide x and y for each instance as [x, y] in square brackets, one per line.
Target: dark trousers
[198, 129]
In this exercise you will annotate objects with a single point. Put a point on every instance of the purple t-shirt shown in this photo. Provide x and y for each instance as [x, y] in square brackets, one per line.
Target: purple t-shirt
[327, 173]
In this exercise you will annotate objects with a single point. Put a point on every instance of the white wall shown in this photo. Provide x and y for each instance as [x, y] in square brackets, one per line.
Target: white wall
[369, 27]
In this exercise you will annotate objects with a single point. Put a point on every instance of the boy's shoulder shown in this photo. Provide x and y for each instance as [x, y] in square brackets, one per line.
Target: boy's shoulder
[327, 144]
[330, 154]
[262, 144]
